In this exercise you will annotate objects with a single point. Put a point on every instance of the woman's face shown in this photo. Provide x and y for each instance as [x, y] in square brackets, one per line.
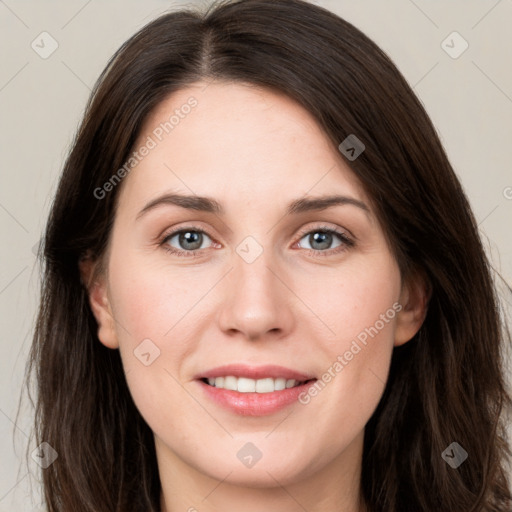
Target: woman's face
[265, 281]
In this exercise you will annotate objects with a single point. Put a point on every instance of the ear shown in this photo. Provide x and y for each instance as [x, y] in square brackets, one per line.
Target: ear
[414, 298]
[98, 299]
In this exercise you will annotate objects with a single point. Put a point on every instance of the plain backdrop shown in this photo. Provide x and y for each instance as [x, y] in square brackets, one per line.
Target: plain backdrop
[468, 95]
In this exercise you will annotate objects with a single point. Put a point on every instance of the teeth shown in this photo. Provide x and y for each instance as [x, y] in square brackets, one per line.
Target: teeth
[245, 385]
[290, 383]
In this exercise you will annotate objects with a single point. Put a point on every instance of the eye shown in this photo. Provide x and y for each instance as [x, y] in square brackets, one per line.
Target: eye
[189, 240]
[321, 241]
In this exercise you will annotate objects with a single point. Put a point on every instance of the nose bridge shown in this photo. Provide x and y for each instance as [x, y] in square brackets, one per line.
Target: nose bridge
[256, 298]
[253, 277]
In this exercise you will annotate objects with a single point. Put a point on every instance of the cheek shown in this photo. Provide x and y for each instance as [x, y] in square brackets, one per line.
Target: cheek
[360, 307]
[153, 314]
[150, 299]
[353, 298]
[150, 308]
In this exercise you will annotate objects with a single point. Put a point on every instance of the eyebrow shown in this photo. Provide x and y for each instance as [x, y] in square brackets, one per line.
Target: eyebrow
[210, 205]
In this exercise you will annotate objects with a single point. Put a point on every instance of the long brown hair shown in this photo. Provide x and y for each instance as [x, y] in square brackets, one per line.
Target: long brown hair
[446, 385]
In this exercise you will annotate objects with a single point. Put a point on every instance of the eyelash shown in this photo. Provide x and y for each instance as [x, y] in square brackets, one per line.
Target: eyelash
[346, 241]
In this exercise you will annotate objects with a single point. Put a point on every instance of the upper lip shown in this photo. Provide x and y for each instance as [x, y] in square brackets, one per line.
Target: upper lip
[254, 372]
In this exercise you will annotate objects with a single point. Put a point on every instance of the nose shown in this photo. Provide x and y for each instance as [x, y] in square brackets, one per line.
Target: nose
[258, 300]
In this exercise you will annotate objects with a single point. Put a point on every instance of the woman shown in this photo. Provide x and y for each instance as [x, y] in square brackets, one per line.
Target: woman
[331, 338]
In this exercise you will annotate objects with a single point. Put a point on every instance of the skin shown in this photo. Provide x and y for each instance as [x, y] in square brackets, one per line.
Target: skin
[254, 151]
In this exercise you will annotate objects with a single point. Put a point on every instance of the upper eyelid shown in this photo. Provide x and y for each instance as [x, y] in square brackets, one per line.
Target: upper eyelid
[339, 230]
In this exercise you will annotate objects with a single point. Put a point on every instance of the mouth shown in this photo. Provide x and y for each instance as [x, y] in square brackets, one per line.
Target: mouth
[249, 390]
[246, 396]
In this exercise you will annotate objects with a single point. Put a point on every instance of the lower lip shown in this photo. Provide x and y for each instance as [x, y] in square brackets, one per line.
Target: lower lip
[254, 404]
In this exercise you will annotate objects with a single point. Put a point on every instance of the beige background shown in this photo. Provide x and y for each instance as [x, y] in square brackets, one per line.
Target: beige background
[41, 100]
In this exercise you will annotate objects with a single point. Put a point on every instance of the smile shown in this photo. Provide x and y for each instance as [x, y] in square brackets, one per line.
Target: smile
[246, 385]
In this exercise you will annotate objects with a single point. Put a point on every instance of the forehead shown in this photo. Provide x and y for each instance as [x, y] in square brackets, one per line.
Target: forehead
[238, 140]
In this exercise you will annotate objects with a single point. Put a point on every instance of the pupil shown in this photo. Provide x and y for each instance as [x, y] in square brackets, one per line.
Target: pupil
[323, 238]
